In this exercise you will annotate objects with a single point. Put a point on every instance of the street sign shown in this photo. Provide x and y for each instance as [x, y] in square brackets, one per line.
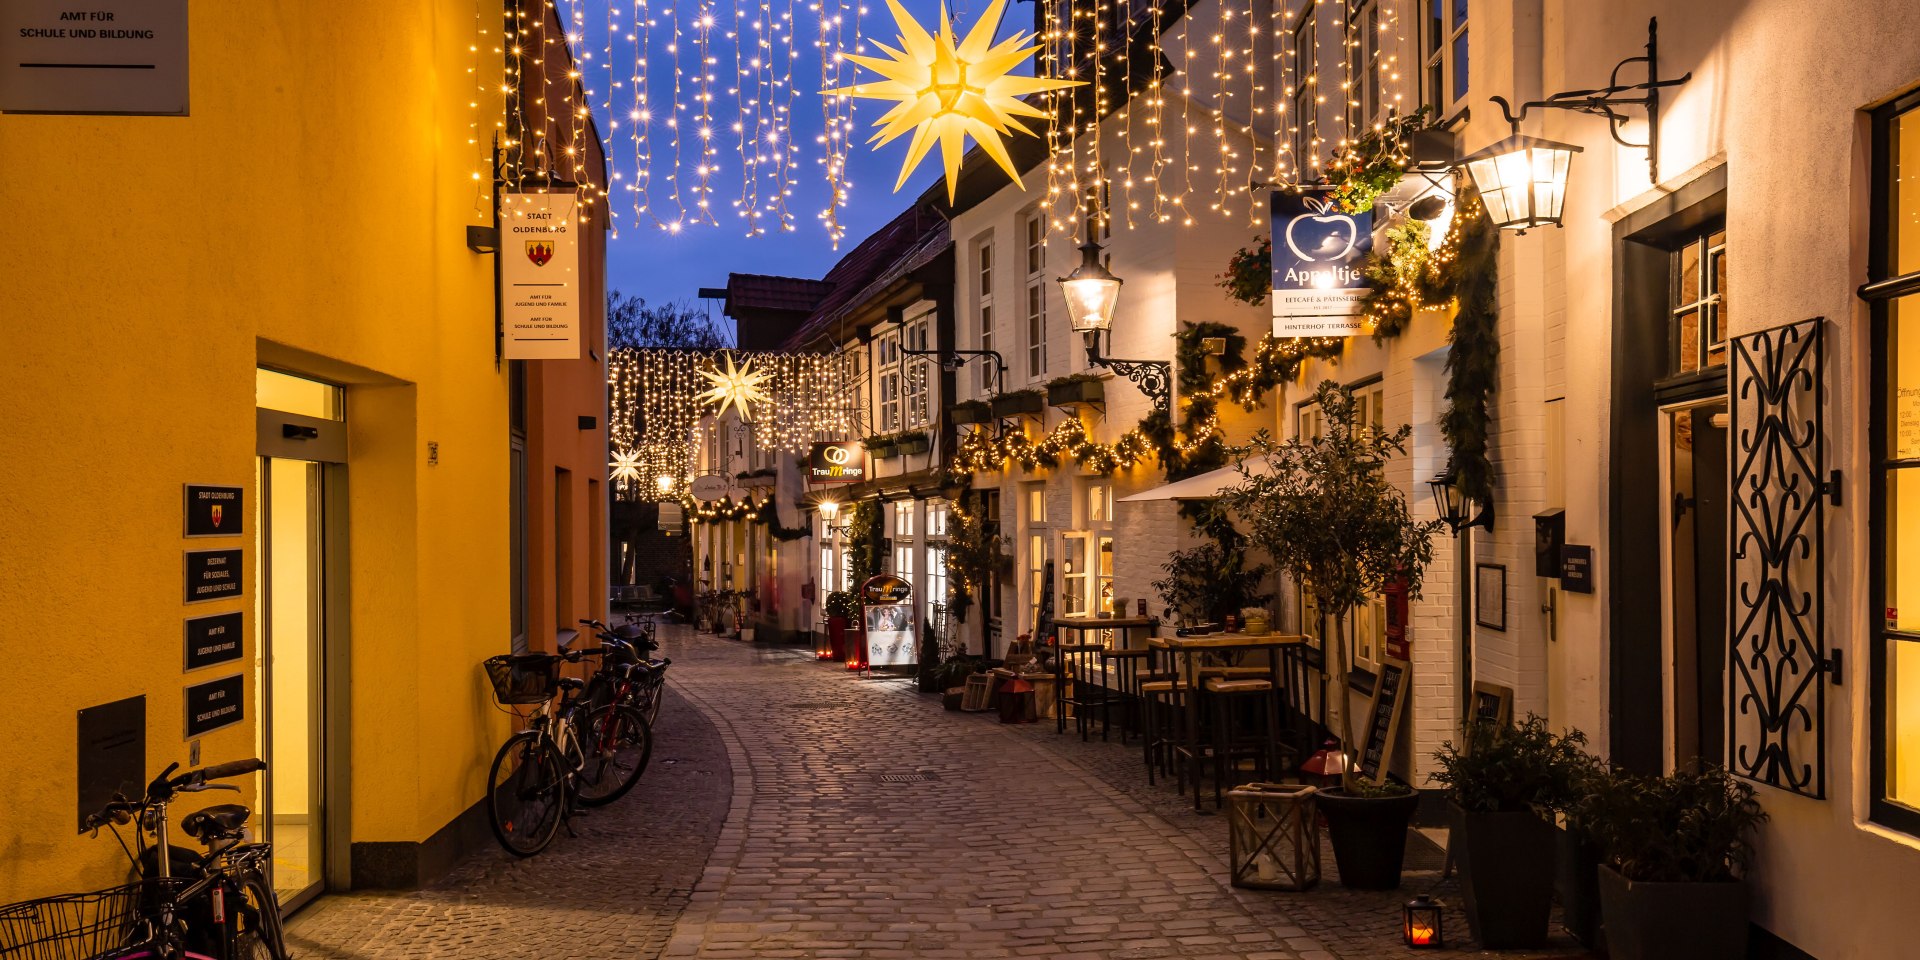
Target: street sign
[1317, 255]
[539, 276]
[101, 57]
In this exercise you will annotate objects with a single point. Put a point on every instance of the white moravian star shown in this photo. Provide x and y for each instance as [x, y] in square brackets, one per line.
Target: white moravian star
[733, 386]
[946, 91]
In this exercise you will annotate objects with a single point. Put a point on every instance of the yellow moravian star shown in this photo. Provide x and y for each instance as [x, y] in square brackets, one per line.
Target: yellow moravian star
[736, 387]
[946, 91]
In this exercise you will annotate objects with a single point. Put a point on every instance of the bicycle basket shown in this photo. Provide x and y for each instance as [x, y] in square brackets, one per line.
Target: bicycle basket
[524, 678]
[79, 926]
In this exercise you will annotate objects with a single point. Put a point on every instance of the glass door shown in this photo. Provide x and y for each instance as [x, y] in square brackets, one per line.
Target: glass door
[293, 628]
[1696, 500]
[300, 473]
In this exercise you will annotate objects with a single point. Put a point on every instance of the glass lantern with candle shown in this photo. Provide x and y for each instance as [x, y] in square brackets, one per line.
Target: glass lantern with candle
[1421, 923]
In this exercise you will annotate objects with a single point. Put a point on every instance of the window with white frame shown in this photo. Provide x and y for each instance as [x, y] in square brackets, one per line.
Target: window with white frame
[1039, 550]
[936, 590]
[1363, 64]
[1034, 233]
[826, 559]
[853, 373]
[1306, 87]
[983, 300]
[1076, 573]
[915, 374]
[903, 518]
[1443, 47]
[887, 383]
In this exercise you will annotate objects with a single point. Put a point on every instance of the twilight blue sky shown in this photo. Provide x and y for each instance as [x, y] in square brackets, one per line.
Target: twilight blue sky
[662, 266]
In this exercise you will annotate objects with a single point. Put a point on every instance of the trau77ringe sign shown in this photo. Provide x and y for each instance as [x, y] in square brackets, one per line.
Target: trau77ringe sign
[1317, 255]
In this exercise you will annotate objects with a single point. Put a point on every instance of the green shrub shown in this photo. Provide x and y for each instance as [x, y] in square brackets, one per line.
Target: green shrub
[1509, 769]
[1685, 828]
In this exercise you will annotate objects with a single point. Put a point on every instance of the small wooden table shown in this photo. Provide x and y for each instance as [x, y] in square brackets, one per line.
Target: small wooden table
[1186, 651]
[1080, 626]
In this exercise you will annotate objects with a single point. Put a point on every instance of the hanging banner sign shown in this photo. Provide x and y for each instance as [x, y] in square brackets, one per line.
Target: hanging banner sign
[1317, 255]
[99, 57]
[539, 276]
[840, 462]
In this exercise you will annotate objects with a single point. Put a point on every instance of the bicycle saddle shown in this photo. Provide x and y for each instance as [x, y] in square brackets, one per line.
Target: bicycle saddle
[217, 821]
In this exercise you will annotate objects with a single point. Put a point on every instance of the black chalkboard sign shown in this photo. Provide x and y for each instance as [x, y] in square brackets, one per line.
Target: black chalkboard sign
[1383, 719]
[1043, 610]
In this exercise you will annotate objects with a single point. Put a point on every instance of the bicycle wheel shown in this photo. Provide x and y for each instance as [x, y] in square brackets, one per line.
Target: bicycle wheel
[617, 743]
[526, 795]
[266, 938]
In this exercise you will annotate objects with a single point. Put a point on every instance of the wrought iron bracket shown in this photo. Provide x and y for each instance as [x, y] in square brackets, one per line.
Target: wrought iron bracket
[1831, 667]
[1831, 488]
[954, 359]
[1606, 101]
[1153, 377]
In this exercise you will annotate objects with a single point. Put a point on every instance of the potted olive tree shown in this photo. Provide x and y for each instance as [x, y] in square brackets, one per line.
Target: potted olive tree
[1674, 852]
[1327, 514]
[1504, 785]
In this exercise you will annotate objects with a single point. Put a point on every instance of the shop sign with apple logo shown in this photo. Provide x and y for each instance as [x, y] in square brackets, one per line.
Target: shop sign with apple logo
[1317, 255]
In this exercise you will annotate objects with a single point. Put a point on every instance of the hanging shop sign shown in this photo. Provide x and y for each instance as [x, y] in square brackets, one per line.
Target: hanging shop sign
[539, 258]
[213, 511]
[842, 461]
[215, 704]
[1317, 255]
[709, 488]
[100, 57]
[888, 605]
[214, 639]
[212, 575]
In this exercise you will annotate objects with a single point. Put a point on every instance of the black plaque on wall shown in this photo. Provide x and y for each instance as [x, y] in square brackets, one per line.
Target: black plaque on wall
[112, 752]
[213, 511]
[1576, 568]
[215, 704]
[214, 639]
[212, 575]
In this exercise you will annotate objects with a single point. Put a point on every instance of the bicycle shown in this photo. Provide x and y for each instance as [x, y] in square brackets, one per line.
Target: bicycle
[566, 757]
[216, 905]
[623, 676]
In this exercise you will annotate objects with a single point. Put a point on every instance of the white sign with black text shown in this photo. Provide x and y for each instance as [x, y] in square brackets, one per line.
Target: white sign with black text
[540, 275]
[94, 57]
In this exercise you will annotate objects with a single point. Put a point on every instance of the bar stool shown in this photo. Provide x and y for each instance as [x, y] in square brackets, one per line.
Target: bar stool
[1159, 746]
[1127, 668]
[1078, 663]
[1229, 744]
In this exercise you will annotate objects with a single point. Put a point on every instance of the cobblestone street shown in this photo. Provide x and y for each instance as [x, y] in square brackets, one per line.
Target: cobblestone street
[794, 811]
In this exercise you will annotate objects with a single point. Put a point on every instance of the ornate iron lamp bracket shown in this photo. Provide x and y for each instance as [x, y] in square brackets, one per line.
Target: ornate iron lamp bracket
[953, 359]
[1605, 101]
[1153, 377]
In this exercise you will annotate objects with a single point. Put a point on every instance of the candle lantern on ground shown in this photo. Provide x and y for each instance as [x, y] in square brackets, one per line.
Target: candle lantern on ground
[1273, 836]
[1420, 923]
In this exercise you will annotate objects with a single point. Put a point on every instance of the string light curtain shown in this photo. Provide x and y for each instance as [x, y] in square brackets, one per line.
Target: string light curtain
[656, 424]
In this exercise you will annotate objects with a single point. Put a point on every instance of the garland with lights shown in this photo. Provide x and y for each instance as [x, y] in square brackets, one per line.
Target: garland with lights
[1372, 164]
[864, 532]
[982, 449]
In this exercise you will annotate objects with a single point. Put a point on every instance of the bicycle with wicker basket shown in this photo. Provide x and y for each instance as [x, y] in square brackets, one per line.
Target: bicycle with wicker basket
[571, 754]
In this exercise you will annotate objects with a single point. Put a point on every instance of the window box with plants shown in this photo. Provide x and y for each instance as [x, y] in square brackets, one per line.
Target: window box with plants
[1674, 855]
[1019, 402]
[1078, 388]
[969, 411]
[1326, 512]
[879, 448]
[1504, 784]
[911, 442]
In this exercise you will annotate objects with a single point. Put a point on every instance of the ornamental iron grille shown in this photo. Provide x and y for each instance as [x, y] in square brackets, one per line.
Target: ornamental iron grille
[1776, 566]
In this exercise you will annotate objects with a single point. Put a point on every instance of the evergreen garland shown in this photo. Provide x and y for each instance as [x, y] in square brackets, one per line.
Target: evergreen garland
[863, 540]
[1473, 361]
[769, 516]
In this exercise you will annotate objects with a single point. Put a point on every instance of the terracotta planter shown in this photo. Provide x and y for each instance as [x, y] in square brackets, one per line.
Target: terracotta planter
[1369, 836]
[1673, 921]
[1506, 876]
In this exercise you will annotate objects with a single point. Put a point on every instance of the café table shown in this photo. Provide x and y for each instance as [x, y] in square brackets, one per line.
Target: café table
[1185, 653]
[1125, 627]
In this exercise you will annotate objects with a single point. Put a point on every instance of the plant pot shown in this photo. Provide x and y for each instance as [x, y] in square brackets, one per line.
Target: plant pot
[1076, 391]
[1369, 836]
[837, 637]
[1506, 876]
[1673, 921]
[970, 411]
[911, 445]
[1577, 881]
[1014, 404]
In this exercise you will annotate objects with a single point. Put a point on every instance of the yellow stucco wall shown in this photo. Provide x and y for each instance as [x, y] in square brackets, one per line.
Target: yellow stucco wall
[310, 212]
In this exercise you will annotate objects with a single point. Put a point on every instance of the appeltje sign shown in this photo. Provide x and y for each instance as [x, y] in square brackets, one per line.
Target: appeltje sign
[1317, 255]
[838, 462]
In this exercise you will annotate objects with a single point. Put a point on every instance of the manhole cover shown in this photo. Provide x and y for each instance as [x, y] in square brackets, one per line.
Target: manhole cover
[907, 777]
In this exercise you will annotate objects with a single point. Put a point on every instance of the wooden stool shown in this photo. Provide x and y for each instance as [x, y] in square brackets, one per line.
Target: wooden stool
[1226, 745]
[1155, 747]
[1127, 667]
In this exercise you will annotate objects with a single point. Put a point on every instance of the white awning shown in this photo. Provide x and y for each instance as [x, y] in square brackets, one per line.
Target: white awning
[1203, 487]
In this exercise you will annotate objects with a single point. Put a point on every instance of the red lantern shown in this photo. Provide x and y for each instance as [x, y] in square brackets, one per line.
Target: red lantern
[1327, 764]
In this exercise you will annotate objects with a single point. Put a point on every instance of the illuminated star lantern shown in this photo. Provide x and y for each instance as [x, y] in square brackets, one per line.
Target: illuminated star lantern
[625, 466]
[946, 91]
[736, 387]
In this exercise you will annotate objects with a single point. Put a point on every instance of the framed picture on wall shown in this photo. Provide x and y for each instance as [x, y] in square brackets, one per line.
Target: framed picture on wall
[1490, 595]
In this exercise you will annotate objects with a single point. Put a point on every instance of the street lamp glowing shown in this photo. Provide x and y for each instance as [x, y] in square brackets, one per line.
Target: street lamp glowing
[664, 482]
[829, 508]
[1091, 292]
[1522, 180]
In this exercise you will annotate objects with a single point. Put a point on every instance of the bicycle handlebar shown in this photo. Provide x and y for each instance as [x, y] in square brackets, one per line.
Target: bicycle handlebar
[223, 771]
